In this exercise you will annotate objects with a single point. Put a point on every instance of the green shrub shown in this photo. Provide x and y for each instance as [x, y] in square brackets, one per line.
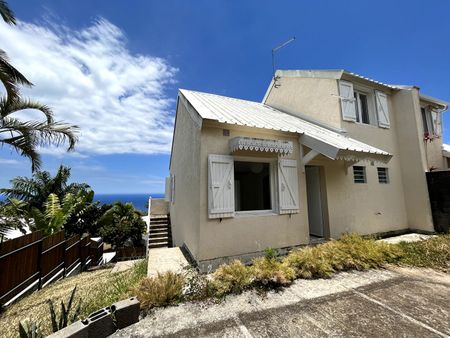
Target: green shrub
[164, 289]
[231, 278]
[271, 272]
[271, 253]
[311, 262]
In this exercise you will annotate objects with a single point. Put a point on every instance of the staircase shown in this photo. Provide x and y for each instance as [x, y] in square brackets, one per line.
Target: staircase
[160, 235]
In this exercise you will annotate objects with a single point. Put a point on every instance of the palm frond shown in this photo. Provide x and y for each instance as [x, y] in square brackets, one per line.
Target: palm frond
[6, 13]
[11, 77]
[8, 107]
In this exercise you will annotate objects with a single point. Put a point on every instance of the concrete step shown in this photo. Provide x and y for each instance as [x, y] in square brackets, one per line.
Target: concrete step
[158, 245]
[156, 221]
[159, 240]
[159, 234]
[159, 228]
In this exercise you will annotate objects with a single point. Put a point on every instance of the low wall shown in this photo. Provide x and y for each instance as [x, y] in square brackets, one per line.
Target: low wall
[159, 206]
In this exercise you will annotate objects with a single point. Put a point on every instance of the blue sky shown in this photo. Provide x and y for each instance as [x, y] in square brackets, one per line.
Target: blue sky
[114, 67]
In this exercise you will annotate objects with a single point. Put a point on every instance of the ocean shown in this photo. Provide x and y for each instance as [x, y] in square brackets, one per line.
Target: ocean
[139, 201]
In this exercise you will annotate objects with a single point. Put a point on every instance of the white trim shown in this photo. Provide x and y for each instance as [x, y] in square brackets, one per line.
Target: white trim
[281, 147]
[255, 213]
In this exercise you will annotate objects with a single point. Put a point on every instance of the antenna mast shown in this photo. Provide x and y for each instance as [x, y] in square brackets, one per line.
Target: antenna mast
[273, 56]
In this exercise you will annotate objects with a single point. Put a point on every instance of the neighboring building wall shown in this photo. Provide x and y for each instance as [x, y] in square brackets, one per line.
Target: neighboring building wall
[185, 160]
[245, 235]
[412, 157]
[313, 97]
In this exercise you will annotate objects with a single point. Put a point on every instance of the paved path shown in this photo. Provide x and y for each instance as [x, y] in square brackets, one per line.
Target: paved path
[377, 303]
[161, 260]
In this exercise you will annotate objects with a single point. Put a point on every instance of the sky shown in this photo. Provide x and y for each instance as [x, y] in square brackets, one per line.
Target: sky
[114, 67]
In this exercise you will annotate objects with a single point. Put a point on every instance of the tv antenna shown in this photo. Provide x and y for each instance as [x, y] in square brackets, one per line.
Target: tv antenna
[284, 44]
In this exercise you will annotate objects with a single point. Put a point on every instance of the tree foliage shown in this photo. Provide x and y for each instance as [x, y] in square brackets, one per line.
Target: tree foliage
[121, 224]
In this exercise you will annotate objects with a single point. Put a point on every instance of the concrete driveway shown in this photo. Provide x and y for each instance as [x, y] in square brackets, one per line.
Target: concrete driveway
[394, 303]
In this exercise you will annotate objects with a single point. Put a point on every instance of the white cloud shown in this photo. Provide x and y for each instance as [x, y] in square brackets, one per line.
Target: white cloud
[91, 79]
[5, 161]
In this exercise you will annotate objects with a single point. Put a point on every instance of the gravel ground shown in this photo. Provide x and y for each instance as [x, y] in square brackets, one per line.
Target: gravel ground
[376, 303]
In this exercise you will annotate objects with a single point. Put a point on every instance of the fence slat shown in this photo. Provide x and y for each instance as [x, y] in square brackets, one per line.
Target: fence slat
[36, 259]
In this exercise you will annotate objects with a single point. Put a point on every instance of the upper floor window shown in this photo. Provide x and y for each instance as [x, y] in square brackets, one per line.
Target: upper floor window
[427, 120]
[364, 105]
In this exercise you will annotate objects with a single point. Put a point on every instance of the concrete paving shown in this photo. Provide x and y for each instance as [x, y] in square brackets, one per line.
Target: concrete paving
[376, 303]
[162, 260]
[414, 237]
[124, 265]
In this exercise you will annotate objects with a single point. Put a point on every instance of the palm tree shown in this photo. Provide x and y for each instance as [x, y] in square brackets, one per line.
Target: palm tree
[25, 136]
[36, 190]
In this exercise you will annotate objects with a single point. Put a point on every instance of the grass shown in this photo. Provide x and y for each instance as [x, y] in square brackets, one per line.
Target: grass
[433, 253]
[100, 288]
[95, 289]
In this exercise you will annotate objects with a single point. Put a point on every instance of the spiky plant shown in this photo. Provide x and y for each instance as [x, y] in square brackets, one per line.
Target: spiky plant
[30, 329]
[65, 316]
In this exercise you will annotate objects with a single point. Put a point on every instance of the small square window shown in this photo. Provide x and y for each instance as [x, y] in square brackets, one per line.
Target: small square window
[383, 175]
[359, 174]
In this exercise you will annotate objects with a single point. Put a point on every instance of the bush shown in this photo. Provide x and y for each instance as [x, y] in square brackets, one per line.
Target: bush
[164, 289]
[120, 224]
[231, 278]
[350, 252]
[271, 272]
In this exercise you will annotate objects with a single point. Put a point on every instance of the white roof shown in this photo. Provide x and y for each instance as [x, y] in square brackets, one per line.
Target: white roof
[446, 150]
[258, 115]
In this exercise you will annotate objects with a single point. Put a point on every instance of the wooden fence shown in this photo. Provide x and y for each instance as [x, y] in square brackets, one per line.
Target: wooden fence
[33, 261]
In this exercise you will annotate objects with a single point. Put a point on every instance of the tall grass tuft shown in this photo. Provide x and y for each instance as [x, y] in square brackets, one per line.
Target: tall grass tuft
[270, 272]
[162, 290]
[231, 278]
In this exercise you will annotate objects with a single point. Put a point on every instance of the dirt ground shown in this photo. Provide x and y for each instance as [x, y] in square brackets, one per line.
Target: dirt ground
[377, 303]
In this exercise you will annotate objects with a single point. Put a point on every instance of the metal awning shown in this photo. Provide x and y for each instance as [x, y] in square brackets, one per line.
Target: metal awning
[281, 147]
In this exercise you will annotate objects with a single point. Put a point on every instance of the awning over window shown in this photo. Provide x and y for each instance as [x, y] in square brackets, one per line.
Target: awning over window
[281, 147]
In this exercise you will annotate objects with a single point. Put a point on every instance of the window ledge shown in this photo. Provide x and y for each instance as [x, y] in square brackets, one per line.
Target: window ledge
[255, 213]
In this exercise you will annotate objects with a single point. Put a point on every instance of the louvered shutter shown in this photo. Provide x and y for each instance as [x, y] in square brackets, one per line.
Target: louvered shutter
[288, 186]
[220, 186]
[167, 190]
[382, 109]
[348, 104]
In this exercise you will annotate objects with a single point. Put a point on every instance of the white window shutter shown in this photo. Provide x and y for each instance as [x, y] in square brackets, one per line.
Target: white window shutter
[348, 104]
[220, 186]
[167, 189]
[382, 109]
[288, 186]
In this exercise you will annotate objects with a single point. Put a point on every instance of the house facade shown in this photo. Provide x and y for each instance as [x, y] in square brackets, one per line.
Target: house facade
[325, 153]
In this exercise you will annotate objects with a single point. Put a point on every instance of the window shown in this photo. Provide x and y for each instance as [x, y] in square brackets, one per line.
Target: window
[362, 107]
[383, 175]
[359, 174]
[252, 189]
[427, 120]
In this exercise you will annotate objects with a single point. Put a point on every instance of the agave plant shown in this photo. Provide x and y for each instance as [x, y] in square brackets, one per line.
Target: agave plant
[65, 316]
[30, 329]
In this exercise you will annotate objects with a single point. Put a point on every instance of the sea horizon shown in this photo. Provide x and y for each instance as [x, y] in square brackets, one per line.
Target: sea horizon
[139, 200]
